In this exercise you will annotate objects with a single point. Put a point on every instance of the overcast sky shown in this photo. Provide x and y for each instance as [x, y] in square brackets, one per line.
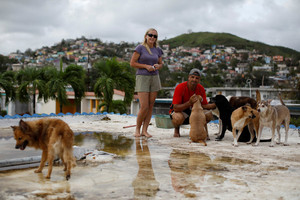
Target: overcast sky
[36, 23]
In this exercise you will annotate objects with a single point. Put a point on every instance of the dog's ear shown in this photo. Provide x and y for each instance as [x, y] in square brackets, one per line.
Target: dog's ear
[13, 127]
[269, 101]
[244, 108]
[24, 126]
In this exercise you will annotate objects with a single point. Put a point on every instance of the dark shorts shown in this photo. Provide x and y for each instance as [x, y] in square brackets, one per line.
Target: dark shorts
[188, 113]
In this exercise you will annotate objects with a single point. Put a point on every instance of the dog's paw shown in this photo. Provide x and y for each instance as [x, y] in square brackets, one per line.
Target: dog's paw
[235, 145]
[68, 177]
[286, 144]
[47, 177]
[271, 145]
[255, 145]
[218, 139]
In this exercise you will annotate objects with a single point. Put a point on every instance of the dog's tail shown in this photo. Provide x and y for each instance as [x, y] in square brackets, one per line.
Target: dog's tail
[258, 97]
[279, 95]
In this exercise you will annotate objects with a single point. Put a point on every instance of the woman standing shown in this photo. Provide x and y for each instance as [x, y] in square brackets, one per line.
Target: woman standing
[147, 58]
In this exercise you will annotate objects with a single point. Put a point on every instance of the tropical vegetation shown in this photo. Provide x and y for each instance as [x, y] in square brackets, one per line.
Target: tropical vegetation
[59, 81]
[113, 75]
[31, 82]
[7, 84]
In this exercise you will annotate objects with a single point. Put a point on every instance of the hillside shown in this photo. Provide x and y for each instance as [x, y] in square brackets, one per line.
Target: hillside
[206, 39]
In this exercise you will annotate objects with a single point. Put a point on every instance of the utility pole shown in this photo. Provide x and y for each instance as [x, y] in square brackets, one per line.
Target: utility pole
[88, 72]
[249, 83]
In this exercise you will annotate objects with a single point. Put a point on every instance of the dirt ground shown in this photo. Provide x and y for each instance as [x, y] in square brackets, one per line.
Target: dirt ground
[263, 173]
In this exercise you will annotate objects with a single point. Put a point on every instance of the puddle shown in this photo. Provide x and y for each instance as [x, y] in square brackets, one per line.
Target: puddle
[108, 142]
[142, 170]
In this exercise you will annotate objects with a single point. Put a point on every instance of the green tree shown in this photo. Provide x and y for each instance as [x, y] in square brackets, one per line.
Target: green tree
[234, 62]
[165, 78]
[5, 62]
[30, 80]
[195, 64]
[29, 52]
[114, 75]
[240, 80]
[59, 81]
[261, 78]
[222, 66]
[7, 80]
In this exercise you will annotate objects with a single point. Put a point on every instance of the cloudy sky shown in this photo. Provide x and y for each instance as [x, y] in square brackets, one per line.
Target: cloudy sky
[36, 23]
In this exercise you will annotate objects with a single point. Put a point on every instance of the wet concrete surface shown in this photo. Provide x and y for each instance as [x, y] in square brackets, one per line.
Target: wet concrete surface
[8, 150]
[142, 170]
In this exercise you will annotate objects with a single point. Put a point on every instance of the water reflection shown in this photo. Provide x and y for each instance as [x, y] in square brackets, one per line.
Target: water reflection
[55, 189]
[145, 183]
[189, 171]
[108, 142]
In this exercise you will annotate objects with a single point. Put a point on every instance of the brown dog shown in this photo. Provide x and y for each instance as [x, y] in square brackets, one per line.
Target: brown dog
[53, 136]
[237, 102]
[198, 132]
[242, 117]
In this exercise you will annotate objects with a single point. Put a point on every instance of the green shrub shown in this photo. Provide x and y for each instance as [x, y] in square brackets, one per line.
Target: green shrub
[3, 113]
[295, 121]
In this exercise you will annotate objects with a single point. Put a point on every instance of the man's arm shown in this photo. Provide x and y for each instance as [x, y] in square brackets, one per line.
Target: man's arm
[181, 107]
[209, 106]
[186, 105]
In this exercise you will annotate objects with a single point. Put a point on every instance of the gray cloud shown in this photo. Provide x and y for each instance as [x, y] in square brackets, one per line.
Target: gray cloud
[33, 23]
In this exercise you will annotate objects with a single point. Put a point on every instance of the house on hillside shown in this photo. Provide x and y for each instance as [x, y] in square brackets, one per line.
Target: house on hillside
[241, 68]
[278, 58]
[263, 68]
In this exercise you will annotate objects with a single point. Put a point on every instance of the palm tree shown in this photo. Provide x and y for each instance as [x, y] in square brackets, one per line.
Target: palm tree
[7, 80]
[59, 81]
[114, 75]
[30, 80]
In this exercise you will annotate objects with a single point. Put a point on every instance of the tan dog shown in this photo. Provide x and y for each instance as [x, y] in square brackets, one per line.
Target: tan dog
[273, 117]
[53, 136]
[242, 117]
[198, 132]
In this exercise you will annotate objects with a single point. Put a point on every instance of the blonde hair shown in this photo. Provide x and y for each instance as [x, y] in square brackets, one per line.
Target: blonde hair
[145, 41]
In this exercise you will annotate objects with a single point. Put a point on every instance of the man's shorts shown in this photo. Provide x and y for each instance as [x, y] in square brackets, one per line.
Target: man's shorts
[186, 113]
[145, 83]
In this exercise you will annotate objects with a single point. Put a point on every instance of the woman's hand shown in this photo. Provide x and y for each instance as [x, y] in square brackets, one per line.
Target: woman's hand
[157, 66]
[150, 68]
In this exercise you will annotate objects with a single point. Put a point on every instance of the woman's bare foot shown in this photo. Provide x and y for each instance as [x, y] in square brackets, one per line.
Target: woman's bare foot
[147, 135]
[137, 134]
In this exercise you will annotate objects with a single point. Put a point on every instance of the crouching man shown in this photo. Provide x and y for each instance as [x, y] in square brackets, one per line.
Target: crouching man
[184, 98]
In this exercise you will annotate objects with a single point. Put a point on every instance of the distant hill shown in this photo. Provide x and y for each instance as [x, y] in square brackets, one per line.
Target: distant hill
[207, 39]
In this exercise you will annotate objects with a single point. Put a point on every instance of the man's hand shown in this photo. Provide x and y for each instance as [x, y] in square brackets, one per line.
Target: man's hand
[193, 99]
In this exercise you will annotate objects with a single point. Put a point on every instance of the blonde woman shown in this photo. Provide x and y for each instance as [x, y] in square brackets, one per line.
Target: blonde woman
[147, 58]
